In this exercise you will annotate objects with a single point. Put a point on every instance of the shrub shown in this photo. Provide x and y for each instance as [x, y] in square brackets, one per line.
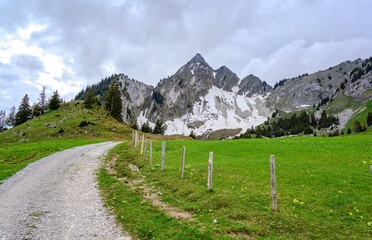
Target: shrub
[358, 127]
[83, 123]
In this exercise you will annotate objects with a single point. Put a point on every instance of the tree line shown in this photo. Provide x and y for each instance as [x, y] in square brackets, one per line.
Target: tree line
[26, 112]
[302, 123]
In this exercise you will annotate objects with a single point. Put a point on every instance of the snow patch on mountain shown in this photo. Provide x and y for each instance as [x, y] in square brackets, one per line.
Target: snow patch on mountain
[219, 109]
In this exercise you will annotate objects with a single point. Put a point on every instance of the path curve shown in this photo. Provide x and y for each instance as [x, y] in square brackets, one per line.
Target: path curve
[57, 197]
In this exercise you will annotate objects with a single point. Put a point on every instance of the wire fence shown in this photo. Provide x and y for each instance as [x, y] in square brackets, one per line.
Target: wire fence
[339, 176]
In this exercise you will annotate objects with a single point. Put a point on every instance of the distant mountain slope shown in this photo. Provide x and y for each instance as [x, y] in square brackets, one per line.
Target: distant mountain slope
[309, 89]
[202, 100]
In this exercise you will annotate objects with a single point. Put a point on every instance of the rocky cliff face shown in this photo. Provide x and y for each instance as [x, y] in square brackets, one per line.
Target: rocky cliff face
[308, 90]
[134, 94]
[200, 99]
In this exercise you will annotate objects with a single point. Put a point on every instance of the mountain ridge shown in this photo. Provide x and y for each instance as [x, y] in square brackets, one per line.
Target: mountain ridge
[199, 99]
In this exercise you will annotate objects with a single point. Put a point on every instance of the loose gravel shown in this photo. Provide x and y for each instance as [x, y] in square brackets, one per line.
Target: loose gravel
[57, 197]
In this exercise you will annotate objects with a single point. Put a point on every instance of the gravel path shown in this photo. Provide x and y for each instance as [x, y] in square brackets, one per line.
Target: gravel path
[57, 198]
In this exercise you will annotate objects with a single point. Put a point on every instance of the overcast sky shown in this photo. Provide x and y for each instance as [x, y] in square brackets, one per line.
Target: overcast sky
[66, 45]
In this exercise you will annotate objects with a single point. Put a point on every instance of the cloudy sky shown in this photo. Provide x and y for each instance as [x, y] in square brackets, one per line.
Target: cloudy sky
[66, 45]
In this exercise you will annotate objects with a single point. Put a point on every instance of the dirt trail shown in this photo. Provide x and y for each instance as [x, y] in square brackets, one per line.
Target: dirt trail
[57, 198]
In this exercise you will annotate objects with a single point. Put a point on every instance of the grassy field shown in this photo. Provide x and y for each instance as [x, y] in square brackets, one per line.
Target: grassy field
[323, 185]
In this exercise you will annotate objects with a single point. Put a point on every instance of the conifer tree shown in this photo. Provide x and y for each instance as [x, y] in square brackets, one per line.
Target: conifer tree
[113, 101]
[146, 128]
[2, 120]
[36, 110]
[369, 119]
[55, 101]
[24, 111]
[10, 120]
[42, 101]
[158, 127]
[358, 127]
[89, 99]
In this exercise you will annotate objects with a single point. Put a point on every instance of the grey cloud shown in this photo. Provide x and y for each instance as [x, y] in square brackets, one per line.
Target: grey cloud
[28, 63]
[149, 40]
[12, 88]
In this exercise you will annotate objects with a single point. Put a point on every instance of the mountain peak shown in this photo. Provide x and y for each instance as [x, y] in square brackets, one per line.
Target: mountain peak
[195, 64]
[198, 59]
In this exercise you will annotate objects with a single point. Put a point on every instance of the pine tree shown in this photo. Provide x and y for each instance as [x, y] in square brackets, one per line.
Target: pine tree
[2, 120]
[369, 119]
[10, 120]
[42, 101]
[158, 127]
[89, 99]
[146, 128]
[24, 111]
[113, 101]
[313, 120]
[55, 101]
[36, 110]
[193, 136]
[358, 127]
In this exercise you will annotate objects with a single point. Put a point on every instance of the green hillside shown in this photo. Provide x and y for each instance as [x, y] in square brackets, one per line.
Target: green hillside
[64, 122]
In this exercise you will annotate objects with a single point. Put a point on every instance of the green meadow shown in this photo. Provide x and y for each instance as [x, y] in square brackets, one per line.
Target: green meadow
[324, 189]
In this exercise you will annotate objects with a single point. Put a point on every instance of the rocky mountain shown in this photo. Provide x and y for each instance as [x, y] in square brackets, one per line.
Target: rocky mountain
[202, 100]
[199, 99]
[309, 89]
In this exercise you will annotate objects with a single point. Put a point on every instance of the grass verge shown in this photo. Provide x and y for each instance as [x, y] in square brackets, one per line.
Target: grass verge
[138, 217]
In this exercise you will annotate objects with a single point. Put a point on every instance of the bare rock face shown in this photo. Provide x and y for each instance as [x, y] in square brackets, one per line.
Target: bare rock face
[200, 99]
[225, 79]
[252, 85]
[173, 97]
[308, 90]
[360, 84]
[134, 94]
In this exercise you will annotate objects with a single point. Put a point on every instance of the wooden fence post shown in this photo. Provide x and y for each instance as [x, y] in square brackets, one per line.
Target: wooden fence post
[142, 143]
[273, 182]
[210, 170]
[150, 153]
[162, 155]
[135, 139]
[183, 161]
[145, 153]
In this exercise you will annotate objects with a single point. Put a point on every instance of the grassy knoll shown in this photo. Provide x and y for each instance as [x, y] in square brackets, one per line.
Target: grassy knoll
[323, 186]
[66, 123]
